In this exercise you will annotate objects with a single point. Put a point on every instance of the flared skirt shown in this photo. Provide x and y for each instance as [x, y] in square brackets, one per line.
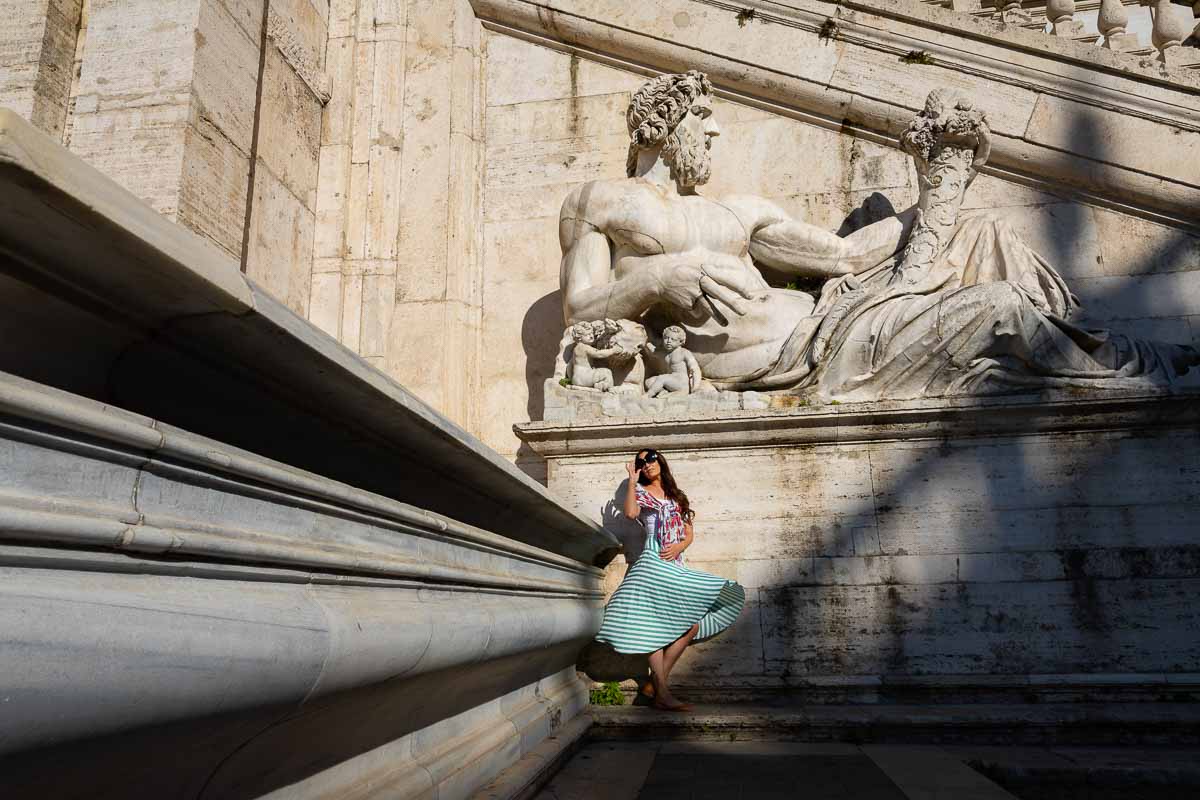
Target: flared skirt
[658, 601]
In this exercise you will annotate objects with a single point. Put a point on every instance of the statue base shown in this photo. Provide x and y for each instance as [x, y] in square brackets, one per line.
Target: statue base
[1032, 548]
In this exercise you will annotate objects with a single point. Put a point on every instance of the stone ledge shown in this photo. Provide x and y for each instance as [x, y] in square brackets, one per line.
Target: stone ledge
[1076, 723]
[112, 301]
[787, 422]
[936, 689]
[525, 778]
[348, 530]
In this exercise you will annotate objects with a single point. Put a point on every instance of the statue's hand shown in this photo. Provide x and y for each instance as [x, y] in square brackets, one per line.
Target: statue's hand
[684, 283]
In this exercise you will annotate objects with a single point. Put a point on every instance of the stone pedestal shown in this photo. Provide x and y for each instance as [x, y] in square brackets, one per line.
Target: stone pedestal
[974, 550]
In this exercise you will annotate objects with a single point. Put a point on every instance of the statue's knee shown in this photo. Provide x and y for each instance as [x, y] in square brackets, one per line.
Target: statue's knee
[1007, 301]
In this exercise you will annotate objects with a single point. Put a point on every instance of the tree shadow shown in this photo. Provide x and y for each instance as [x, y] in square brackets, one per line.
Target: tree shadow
[1069, 561]
[1016, 556]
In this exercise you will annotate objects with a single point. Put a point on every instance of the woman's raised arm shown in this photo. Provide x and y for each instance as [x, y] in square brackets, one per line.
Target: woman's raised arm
[631, 504]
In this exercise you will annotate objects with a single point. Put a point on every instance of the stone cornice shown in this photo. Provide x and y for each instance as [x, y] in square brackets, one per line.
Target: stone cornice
[132, 309]
[1108, 163]
[362, 534]
[866, 422]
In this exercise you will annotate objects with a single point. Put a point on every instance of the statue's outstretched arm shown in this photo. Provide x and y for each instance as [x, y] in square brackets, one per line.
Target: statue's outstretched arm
[798, 248]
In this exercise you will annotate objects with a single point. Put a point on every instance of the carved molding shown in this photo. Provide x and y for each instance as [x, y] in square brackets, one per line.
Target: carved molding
[945, 418]
[1019, 59]
[298, 56]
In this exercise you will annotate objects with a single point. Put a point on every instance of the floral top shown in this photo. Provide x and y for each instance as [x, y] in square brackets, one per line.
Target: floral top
[662, 520]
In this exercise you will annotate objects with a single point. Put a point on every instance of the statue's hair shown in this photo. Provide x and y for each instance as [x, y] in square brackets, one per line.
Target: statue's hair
[678, 331]
[658, 107]
[579, 329]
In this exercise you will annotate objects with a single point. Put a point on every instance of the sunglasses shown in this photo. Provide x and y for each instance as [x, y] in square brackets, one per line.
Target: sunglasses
[650, 457]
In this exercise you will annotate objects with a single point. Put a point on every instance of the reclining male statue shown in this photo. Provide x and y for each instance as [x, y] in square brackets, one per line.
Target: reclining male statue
[966, 308]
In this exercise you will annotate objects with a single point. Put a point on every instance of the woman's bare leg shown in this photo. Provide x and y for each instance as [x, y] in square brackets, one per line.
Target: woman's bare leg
[662, 695]
[674, 650]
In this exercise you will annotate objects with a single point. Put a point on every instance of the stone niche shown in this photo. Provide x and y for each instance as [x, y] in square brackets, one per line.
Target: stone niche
[958, 550]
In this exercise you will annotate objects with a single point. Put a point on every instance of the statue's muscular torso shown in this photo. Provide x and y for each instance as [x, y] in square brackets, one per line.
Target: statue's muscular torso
[644, 223]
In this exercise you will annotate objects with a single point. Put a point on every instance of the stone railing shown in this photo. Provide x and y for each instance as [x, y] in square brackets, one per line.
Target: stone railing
[1166, 30]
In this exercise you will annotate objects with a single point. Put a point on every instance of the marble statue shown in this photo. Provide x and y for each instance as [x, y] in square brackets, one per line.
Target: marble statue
[583, 372]
[683, 374]
[617, 344]
[922, 303]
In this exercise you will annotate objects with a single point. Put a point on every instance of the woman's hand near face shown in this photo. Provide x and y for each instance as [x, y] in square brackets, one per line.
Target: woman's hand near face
[633, 469]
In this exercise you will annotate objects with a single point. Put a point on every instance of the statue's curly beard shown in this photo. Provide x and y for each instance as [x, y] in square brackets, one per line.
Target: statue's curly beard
[688, 157]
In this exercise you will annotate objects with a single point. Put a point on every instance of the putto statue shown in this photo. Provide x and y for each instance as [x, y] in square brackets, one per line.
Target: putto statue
[582, 372]
[684, 373]
[616, 345]
[965, 307]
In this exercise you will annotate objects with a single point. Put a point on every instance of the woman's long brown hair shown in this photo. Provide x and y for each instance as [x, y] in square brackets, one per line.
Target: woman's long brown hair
[669, 486]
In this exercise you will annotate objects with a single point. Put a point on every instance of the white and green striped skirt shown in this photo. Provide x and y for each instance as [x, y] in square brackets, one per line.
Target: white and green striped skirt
[659, 600]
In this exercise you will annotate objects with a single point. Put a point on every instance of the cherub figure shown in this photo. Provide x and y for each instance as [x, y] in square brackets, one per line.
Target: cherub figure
[684, 375]
[582, 373]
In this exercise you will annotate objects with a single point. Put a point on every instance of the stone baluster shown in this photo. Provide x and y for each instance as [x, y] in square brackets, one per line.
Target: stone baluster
[1061, 14]
[1112, 22]
[1172, 24]
[1013, 14]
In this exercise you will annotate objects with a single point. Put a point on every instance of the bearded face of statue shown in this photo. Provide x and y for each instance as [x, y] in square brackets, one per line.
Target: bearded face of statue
[687, 148]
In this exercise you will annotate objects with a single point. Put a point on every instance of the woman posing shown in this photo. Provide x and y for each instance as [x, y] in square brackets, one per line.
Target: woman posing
[662, 606]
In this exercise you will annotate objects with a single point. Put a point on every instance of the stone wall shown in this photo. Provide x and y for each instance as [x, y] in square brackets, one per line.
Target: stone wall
[389, 168]
[37, 51]
[988, 549]
[396, 260]
[549, 134]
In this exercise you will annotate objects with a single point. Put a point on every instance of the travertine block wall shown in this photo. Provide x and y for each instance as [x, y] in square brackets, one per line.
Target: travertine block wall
[279, 236]
[556, 120]
[396, 259]
[37, 48]
[181, 104]
[1040, 558]
[166, 102]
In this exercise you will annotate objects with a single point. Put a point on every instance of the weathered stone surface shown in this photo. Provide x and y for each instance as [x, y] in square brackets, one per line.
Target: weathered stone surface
[37, 54]
[289, 136]
[909, 549]
[1032, 64]
[279, 251]
[152, 275]
[291, 630]
[401, 164]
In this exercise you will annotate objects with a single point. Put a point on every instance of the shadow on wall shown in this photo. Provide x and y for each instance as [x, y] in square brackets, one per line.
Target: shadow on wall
[541, 331]
[1082, 574]
[1068, 561]
[600, 661]
[1090, 578]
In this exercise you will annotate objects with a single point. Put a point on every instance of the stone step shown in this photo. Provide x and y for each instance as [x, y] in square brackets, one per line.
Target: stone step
[1175, 724]
[1094, 773]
